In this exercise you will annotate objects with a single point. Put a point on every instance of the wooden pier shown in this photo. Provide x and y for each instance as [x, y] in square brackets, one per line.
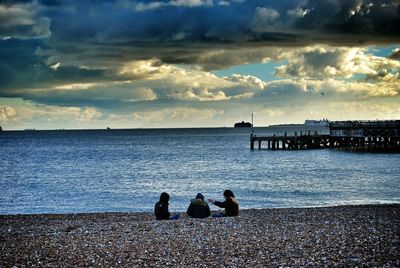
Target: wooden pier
[362, 135]
[291, 142]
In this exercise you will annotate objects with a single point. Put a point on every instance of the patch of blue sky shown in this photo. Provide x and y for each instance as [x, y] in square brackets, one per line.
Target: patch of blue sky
[263, 71]
[383, 51]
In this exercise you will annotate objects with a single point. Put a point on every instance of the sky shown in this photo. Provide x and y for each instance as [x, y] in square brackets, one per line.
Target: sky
[196, 63]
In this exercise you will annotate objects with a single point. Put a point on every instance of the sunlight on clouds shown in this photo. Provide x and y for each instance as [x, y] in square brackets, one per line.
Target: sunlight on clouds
[298, 12]
[339, 89]
[191, 84]
[64, 113]
[6, 113]
[246, 80]
[76, 86]
[141, 94]
[331, 62]
[177, 83]
[141, 6]
[48, 114]
[55, 66]
[147, 69]
[197, 94]
[86, 115]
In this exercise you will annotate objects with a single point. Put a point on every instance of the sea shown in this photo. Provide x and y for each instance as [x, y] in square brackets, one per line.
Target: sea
[126, 170]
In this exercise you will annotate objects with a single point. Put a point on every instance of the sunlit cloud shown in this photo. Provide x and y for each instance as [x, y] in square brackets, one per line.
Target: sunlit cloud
[6, 113]
[331, 62]
[76, 86]
[141, 6]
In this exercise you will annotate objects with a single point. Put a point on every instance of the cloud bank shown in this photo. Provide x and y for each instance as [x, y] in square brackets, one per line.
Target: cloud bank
[125, 59]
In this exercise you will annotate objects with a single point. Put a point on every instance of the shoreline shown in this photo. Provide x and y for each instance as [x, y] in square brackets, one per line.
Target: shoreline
[184, 212]
[351, 235]
[213, 210]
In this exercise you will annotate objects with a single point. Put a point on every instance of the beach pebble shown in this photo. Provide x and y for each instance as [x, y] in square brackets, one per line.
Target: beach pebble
[311, 237]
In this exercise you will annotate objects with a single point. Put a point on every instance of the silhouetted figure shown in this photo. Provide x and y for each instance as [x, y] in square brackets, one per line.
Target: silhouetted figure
[198, 208]
[161, 208]
[230, 204]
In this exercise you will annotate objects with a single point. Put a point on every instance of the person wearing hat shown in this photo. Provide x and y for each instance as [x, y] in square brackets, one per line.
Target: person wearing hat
[161, 208]
[198, 208]
[230, 204]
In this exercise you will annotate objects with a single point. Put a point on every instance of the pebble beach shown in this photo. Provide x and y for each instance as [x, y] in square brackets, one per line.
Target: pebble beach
[341, 236]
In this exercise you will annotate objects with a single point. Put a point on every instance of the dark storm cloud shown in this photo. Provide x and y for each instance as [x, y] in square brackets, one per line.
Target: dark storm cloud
[44, 44]
[22, 19]
[395, 55]
[369, 21]
[22, 68]
[181, 31]
[105, 32]
[267, 21]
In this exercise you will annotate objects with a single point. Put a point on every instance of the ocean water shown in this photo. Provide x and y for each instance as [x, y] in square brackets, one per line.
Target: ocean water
[126, 170]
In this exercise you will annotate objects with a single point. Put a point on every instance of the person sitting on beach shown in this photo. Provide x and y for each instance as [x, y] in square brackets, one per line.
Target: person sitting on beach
[161, 208]
[230, 204]
[198, 208]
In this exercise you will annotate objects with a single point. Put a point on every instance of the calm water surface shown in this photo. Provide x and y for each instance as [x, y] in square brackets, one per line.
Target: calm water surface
[126, 170]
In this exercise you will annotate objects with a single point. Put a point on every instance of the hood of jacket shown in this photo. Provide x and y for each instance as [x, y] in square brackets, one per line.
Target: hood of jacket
[199, 202]
[164, 198]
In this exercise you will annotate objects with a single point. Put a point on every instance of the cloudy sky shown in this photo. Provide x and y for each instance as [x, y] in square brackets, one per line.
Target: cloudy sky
[196, 63]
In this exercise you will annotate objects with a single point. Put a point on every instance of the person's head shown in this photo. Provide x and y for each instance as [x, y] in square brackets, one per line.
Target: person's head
[228, 193]
[200, 196]
[164, 197]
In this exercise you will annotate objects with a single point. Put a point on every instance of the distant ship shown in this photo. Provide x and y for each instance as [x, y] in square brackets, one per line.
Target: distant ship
[243, 124]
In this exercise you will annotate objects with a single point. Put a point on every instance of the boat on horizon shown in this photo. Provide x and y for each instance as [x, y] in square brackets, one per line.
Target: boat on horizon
[243, 124]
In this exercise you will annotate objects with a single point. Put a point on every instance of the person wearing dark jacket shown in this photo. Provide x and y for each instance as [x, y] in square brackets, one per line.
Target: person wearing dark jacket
[198, 208]
[161, 208]
[230, 205]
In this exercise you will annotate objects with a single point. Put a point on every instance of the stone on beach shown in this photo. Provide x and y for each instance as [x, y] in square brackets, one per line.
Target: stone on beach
[367, 235]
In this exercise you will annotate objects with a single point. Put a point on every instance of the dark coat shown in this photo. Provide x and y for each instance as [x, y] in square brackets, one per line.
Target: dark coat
[161, 207]
[231, 206]
[161, 210]
[198, 208]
